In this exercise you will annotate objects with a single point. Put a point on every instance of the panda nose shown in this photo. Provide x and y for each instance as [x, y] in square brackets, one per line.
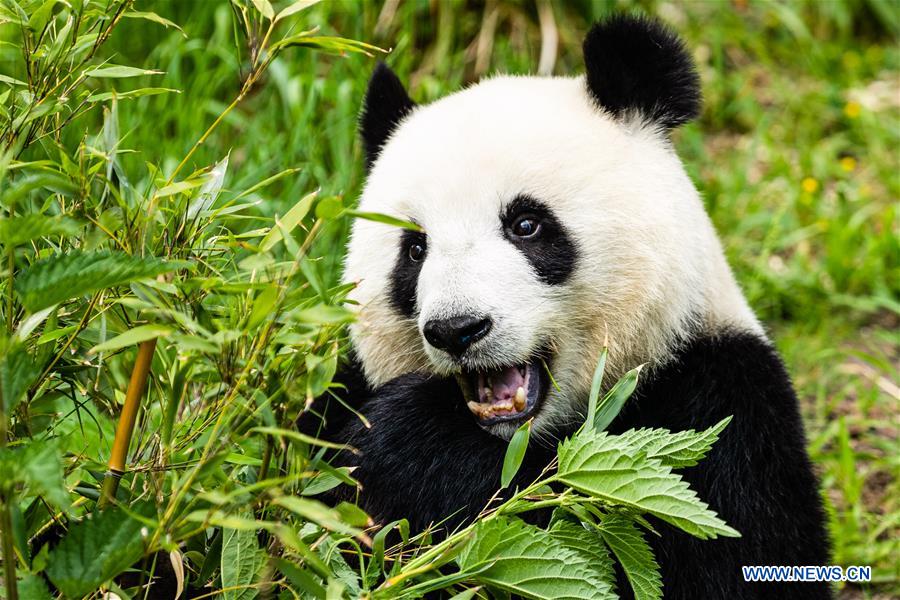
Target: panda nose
[456, 334]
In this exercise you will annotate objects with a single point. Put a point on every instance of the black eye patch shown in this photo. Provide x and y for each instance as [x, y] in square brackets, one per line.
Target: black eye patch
[404, 279]
[550, 249]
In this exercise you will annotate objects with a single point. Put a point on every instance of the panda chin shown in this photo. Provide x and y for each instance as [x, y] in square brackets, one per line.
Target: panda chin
[507, 395]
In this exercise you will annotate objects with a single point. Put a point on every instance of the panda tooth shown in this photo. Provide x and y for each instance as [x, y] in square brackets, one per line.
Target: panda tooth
[489, 394]
[475, 408]
[519, 399]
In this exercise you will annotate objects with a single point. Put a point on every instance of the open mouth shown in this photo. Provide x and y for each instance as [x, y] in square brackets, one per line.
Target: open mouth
[507, 394]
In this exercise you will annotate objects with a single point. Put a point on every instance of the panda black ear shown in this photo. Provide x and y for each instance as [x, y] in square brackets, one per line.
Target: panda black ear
[636, 64]
[385, 105]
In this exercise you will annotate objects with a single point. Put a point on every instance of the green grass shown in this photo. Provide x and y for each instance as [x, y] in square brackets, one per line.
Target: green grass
[795, 155]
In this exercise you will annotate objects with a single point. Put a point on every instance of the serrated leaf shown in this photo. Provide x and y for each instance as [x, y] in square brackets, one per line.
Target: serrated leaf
[242, 561]
[633, 552]
[615, 399]
[17, 372]
[64, 276]
[119, 71]
[522, 559]
[605, 467]
[515, 453]
[132, 337]
[95, 550]
[682, 449]
[33, 587]
[587, 543]
[20, 230]
[39, 467]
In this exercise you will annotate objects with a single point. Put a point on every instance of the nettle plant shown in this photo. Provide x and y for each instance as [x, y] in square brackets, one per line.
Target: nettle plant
[159, 338]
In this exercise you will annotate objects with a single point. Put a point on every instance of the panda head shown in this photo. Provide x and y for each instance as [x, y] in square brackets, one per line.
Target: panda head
[554, 218]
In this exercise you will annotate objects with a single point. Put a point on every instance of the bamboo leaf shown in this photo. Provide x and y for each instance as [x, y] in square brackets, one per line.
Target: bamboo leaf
[515, 453]
[132, 337]
[119, 71]
[295, 8]
[615, 399]
[289, 221]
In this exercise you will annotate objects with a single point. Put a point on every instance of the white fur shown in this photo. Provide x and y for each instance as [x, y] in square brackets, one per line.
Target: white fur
[650, 268]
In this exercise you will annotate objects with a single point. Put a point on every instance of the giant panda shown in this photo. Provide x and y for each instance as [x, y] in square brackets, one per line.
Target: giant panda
[556, 217]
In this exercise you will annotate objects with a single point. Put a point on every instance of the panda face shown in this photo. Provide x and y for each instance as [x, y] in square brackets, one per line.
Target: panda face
[550, 225]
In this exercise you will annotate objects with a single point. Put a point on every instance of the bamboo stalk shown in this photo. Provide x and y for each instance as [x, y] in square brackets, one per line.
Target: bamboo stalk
[127, 418]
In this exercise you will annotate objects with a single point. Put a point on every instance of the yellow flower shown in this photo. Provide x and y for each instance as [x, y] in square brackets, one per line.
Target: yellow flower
[848, 163]
[852, 109]
[809, 185]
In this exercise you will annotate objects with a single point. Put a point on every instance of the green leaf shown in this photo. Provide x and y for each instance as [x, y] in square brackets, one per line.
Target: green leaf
[179, 187]
[315, 511]
[39, 467]
[120, 71]
[295, 7]
[334, 45]
[634, 554]
[289, 221]
[263, 305]
[615, 399]
[515, 453]
[95, 550]
[17, 372]
[78, 273]
[152, 16]
[596, 384]
[16, 231]
[682, 449]
[132, 337]
[210, 190]
[386, 219]
[604, 467]
[524, 560]
[138, 93]
[265, 7]
[242, 561]
[329, 208]
[33, 587]
[586, 543]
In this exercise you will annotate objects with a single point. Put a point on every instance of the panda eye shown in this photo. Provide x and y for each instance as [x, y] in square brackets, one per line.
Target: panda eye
[416, 251]
[526, 226]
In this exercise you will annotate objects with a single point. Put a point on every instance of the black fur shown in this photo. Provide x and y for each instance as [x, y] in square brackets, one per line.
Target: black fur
[638, 64]
[425, 458]
[385, 106]
[404, 279]
[552, 253]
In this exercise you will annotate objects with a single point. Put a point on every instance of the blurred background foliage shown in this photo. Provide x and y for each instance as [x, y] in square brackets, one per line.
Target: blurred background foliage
[795, 155]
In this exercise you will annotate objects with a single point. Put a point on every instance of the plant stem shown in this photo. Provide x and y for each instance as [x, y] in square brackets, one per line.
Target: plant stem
[127, 419]
[6, 532]
[9, 554]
